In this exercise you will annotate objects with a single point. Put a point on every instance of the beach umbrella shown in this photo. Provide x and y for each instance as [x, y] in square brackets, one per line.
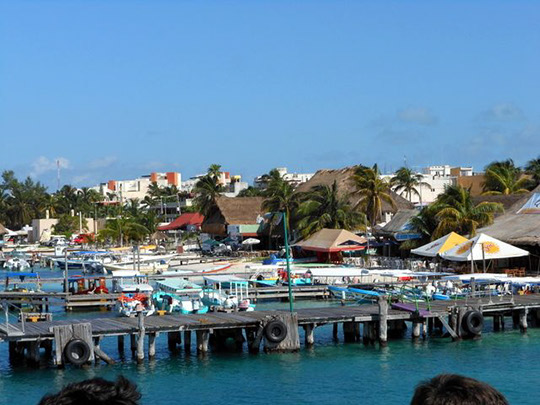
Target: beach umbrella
[482, 247]
[440, 245]
[251, 241]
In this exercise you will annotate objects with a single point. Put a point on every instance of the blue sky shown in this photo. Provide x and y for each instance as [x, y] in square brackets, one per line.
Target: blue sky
[117, 89]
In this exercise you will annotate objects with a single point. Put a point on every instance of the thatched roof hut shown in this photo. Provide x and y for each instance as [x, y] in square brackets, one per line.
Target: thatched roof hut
[398, 224]
[517, 228]
[507, 201]
[244, 212]
[343, 177]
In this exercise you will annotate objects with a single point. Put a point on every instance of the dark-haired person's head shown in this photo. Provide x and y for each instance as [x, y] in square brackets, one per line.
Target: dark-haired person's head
[452, 389]
[96, 391]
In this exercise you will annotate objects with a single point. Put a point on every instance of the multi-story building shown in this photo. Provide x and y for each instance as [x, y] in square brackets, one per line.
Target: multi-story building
[434, 181]
[124, 190]
[293, 178]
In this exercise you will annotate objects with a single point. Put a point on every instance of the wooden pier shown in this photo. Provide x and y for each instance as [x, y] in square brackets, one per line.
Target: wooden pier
[276, 330]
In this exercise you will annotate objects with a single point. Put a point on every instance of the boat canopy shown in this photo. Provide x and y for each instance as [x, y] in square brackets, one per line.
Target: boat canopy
[19, 274]
[225, 279]
[331, 271]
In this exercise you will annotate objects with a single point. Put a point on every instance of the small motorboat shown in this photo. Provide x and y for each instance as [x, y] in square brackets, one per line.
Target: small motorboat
[136, 299]
[16, 264]
[185, 304]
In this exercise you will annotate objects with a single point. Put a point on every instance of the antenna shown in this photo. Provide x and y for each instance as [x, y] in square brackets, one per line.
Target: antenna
[57, 174]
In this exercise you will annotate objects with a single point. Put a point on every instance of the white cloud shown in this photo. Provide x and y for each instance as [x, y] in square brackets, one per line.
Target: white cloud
[502, 112]
[43, 164]
[102, 163]
[417, 115]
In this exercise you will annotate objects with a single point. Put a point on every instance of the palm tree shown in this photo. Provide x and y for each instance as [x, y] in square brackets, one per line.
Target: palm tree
[207, 190]
[533, 168]
[323, 207]
[457, 212]
[407, 182]
[281, 198]
[504, 178]
[373, 191]
[214, 171]
[251, 192]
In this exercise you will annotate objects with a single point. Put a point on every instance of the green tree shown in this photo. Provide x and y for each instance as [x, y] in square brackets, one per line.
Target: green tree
[207, 190]
[457, 212]
[251, 192]
[68, 225]
[373, 191]
[504, 178]
[323, 207]
[533, 169]
[407, 182]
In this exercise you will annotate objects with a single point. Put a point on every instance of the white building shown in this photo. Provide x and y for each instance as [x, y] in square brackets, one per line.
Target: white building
[434, 181]
[293, 178]
[124, 190]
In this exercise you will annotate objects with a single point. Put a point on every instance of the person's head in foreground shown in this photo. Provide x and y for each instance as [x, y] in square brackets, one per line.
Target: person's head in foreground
[452, 389]
[96, 391]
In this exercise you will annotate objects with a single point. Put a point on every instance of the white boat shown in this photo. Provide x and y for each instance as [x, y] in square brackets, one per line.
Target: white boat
[16, 264]
[136, 299]
[226, 291]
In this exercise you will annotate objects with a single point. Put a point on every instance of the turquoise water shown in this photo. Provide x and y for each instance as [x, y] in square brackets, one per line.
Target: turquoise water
[330, 373]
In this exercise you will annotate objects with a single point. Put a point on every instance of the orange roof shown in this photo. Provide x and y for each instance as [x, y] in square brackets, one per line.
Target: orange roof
[189, 218]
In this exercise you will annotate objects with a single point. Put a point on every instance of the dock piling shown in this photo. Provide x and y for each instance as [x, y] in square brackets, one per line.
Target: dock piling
[121, 344]
[523, 320]
[203, 337]
[152, 345]
[140, 338]
[309, 331]
[383, 321]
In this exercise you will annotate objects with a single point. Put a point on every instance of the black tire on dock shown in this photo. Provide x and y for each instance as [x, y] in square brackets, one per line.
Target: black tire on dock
[77, 352]
[473, 322]
[275, 331]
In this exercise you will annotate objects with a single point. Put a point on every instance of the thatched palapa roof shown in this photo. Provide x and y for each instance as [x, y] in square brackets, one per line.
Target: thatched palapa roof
[398, 222]
[333, 240]
[343, 177]
[233, 211]
[517, 228]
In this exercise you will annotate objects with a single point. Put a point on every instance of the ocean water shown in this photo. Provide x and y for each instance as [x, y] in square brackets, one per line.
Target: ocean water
[330, 372]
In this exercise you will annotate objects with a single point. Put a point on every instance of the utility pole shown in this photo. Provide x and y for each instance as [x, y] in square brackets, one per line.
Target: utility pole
[291, 304]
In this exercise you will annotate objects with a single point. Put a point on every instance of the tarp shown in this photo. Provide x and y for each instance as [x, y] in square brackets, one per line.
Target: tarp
[482, 247]
[333, 240]
[440, 245]
[532, 206]
[188, 218]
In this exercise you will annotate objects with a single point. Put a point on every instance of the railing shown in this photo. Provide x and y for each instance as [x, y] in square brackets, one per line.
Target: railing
[11, 328]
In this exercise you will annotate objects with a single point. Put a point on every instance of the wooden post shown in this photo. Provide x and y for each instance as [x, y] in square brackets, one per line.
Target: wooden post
[357, 336]
[383, 320]
[496, 323]
[515, 319]
[416, 329]
[202, 341]
[33, 352]
[121, 344]
[348, 332]
[365, 333]
[151, 345]
[523, 320]
[291, 339]
[173, 339]
[309, 334]
[133, 343]
[187, 341]
[48, 346]
[140, 338]
[97, 341]
[335, 331]
[430, 325]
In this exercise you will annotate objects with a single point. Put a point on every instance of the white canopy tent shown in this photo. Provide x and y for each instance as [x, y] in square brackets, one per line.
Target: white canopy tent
[482, 247]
